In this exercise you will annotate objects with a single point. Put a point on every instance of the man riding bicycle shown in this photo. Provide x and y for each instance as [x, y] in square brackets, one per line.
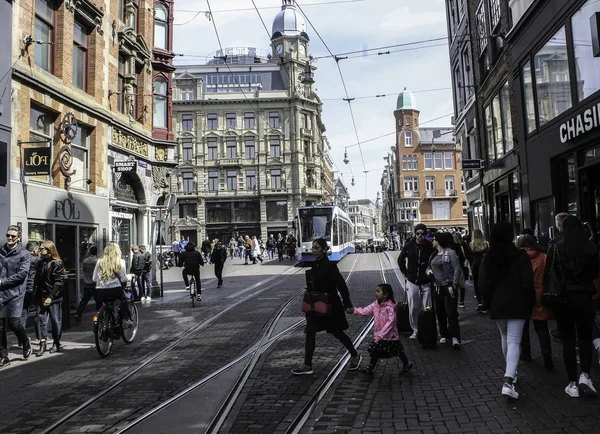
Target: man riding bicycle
[191, 259]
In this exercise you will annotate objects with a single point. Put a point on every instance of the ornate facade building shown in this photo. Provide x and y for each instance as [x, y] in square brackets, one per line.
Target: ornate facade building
[87, 154]
[250, 138]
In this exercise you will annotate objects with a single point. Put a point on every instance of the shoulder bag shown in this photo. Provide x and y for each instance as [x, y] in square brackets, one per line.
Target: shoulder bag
[554, 290]
[315, 302]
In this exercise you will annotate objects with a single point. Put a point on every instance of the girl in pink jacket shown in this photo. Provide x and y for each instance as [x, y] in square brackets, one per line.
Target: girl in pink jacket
[386, 341]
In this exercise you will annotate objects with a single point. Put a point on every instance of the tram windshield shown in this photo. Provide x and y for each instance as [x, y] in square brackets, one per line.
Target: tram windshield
[315, 223]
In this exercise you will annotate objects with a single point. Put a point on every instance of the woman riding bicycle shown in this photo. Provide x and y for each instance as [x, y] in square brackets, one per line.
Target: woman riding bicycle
[110, 276]
[192, 260]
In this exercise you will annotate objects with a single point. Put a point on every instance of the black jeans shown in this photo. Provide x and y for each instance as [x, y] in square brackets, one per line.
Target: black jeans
[88, 293]
[475, 271]
[15, 325]
[576, 315]
[543, 334]
[117, 293]
[219, 272]
[446, 309]
[311, 337]
[196, 275]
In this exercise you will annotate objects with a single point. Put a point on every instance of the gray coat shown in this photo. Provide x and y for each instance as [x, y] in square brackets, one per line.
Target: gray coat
[14, 270]
[446, 268]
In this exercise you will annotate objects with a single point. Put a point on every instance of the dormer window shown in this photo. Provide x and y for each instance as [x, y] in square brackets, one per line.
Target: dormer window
[161, 33]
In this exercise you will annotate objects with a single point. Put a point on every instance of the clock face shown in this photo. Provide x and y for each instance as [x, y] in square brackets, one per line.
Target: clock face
[302, 49]
[279, 48]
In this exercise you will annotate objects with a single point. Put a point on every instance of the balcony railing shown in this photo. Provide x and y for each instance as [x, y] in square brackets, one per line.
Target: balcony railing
[409, 193]
[230, 162]
[437, 194]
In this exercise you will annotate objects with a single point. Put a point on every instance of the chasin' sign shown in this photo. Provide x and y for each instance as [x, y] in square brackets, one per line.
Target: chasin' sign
[580, 124]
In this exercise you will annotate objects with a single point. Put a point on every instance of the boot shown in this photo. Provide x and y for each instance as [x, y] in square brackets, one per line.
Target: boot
[56, 347]
[42, 349]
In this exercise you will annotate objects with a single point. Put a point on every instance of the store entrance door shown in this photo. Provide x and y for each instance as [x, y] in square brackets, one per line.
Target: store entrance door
[66, 244]
[590, 192]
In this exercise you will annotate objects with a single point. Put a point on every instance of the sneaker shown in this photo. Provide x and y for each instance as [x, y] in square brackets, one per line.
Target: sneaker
[443, 340]
[366, 371]
[461, 304]
[509, 391]
[142, 299]
[354, 362]
[148, 298]
[302, 370]
[406, 368]
[479, 307]
[198, 298]
[413, 336]
[455, 344]
[572, 390]
[516, 378]
[187, 288]
[586, 387]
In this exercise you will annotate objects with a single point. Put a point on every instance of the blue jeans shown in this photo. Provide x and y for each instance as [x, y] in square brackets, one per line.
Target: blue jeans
[54, 311]
[511, 332]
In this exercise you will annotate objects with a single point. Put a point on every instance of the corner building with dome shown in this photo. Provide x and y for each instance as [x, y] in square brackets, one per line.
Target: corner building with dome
[429, 173]
[251, 148]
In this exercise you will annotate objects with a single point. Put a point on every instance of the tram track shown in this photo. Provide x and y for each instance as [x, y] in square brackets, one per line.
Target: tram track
[122, 380]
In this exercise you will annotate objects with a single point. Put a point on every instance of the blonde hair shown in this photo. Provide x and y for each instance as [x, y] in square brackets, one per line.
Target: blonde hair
[478, 244]
[110, 262]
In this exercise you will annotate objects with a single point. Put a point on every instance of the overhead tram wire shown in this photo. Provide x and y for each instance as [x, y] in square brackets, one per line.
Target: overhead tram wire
[265, 7]
[385, 95]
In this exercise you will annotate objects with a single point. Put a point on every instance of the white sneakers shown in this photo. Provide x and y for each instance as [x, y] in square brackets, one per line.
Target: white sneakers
[572, 390]
[443, 340]
[455, 343]
[413, 336]
[586, 386]
[509, 390]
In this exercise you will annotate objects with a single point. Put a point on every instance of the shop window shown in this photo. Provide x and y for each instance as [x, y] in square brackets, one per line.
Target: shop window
[213, 180]
[80, 146]
[188, 210]
[218, 212]
[187, 122]
[250, 149]
[40, 232]
[160, 26]
[587, 65]
[187, 150]
[552, 81]
[160, 103]
[250, 179]
[44, 31]
[80, 54]
[277, 211]
[246, 212]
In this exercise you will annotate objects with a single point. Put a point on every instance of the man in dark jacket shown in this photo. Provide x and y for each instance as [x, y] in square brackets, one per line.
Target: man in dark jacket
[138, 262]
[218, 257]
[34, 259]
[14, 269]
[146, 281]
[206, 249]
[413, 261]
[89, 286]
[191, 259]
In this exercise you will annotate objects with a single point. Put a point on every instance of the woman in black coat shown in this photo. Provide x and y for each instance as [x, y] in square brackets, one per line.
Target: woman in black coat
[506, 283]
[327, 278]
[576, 258]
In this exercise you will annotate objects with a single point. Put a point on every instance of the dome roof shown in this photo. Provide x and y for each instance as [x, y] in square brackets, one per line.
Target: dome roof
[289, 21]
[406, 101]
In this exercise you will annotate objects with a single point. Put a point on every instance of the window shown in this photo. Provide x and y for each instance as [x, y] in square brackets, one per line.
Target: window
[482, 33]
[231, 148]
[467, 72]
[275, 148]
[307, 149]
[187, 150]
[250, 179]
[187, 122]
[427, 159]
[459, 93]
[528, 95]
[430, 183]
[121, 84]
[212, 120]
[250, 149]
[415, 162]
[498, 126]
[188, 181]
[230, 120]
[462, 184]
[587, 64]
[449, 182]
[188, 210]
[404, 162]
[407, 121]
[506, 118]
[213, 149]
[274, 119]
[438, 160]
[411, 183]
[304, 120]
[160, 103]
[277, 211]
[231, 180]
[187, 93]
[408, 138]
[213, 180]
[160, 26]
[248, 120]
[44, 31]
[80, 146]
[80, 56]
[441, 209]
[494, 14]
[465, 208]
[552, 79]
[276, 179]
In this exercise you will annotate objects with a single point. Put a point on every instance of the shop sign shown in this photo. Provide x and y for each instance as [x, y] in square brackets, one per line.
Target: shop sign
[126, 166]
[129, 142]
[471, 164]
[122, 215]
[66, 209]
[36, 161]
[580, 124]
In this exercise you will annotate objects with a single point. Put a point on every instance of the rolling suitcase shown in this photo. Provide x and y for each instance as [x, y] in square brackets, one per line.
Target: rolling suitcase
[427, 334]
[402, 318]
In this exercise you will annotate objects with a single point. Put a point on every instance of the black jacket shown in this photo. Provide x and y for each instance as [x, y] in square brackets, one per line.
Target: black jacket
[508, 293]
[218, 256]
[418, 259]
[49, 281]
[578, 273]
[191, 260]
[205, 246]
[138, 263]
[14, 269]
[326, 277]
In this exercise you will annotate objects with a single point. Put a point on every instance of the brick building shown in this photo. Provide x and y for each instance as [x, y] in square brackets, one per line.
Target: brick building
[429, 172]
[84, 159]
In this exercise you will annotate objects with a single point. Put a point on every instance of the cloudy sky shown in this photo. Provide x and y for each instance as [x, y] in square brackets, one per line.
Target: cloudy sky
[344, 26]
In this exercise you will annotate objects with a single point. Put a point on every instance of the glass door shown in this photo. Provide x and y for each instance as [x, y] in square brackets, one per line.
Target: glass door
[66, 244]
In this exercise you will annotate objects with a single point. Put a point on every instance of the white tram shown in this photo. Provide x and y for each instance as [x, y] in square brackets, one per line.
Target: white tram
[328, 222]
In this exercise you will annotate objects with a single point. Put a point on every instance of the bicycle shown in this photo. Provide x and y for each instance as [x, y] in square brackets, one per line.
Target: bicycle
[108, 326]
[193, 296]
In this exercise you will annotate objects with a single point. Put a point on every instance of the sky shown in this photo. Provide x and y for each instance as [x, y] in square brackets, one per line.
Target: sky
[347, 26]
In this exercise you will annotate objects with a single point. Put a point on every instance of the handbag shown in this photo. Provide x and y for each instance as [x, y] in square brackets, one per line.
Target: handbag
[553, 291]
[317, 303]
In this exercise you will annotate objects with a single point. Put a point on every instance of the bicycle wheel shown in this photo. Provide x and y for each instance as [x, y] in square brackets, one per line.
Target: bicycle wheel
[102, 336]
[129, 334]
[193, 291]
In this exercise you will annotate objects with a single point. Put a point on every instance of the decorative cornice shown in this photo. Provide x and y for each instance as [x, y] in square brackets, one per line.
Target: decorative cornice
[90, 13]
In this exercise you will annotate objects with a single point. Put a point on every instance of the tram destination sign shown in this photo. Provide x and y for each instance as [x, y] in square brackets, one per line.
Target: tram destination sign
[471, 164]
[126, 166]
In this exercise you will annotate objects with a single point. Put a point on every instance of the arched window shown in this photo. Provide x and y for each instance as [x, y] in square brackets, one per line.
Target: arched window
[161, 28]
[160, 103]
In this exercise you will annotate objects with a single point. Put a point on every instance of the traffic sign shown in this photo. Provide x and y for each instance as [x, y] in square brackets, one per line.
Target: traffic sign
[471, 164]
